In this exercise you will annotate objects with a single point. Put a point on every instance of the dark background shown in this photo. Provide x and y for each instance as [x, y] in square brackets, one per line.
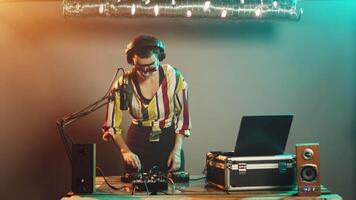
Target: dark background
[52, 66]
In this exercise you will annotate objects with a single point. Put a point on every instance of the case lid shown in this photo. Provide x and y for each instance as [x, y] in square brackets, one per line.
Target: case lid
[230, 157]
[262, 158]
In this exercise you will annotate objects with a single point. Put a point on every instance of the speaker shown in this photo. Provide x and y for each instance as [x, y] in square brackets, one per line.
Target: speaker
[308, 169]
[83, 168]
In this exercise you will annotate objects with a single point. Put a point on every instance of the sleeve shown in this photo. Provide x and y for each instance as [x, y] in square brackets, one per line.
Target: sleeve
[113, 118]
[183, 124]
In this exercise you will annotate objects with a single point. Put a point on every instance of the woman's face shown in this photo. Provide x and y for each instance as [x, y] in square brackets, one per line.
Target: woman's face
[146, 66]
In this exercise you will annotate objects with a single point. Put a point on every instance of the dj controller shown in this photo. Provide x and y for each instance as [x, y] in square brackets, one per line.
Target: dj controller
[154, 182]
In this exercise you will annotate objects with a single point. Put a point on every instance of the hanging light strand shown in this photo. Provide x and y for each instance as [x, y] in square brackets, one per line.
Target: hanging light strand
[235, 10]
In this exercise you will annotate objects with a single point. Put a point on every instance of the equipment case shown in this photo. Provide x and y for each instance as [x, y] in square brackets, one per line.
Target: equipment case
[232, 173]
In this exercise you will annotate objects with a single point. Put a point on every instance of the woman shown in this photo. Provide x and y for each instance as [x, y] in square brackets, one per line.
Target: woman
[158, 104]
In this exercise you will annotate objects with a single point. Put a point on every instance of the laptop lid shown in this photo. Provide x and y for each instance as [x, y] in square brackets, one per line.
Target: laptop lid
[263, 135]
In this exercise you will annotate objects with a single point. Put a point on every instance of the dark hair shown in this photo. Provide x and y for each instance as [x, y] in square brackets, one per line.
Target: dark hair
[144, 46]
[146, 52]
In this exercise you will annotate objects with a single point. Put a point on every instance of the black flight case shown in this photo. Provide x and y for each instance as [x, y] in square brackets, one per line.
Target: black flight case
[232, 173]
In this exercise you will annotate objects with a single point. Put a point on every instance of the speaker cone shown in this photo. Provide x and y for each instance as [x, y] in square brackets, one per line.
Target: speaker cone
[309, 173]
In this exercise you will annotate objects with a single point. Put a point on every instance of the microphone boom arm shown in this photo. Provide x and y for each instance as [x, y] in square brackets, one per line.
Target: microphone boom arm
[65, 121]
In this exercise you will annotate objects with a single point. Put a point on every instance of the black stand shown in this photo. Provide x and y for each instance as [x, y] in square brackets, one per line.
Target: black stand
[63, 122]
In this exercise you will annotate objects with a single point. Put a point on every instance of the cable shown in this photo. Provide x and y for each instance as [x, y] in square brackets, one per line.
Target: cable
[173, 185]
[146, 187]
[170, 180]
[106, 181]
[111, 86]
[166, 193]
[151, 170]
[114, 78]
[196, 179]
[208, 161]
[184, 190]
[90, 108]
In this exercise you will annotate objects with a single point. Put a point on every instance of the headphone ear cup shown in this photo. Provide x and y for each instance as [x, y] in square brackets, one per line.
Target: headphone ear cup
[162, 56]
[129, 58]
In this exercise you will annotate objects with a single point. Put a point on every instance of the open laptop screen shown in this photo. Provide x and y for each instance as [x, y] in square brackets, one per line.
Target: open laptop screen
[263, 135]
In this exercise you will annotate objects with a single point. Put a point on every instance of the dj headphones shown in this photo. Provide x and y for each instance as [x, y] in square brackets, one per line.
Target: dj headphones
[144, 41]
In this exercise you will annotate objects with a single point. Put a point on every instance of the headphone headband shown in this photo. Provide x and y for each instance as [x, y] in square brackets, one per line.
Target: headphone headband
[144, 41]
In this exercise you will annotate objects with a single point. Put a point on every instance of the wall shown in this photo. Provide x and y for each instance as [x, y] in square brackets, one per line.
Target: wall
[52, 66]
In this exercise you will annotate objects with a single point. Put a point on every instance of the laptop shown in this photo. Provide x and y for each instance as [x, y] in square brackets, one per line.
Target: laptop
[263, 135]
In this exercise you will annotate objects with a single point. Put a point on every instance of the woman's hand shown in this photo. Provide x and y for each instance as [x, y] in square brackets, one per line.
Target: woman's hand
[174, 160]
[132, 159]
[129, 157]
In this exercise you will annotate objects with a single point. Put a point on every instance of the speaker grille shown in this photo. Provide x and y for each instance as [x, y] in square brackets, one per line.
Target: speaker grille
[309, 173]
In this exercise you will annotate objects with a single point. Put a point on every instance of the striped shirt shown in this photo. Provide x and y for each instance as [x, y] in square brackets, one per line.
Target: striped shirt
[169, 106]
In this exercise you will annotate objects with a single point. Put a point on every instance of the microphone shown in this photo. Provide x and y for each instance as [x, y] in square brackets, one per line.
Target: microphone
[124, 103]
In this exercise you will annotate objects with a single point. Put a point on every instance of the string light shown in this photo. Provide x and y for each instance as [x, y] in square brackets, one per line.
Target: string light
[206, 6]
[275, 4]
[156, 10]
[274, 9]
[101, 8]
[223, 13]
[189, 13]
[258, 12]
[133, 9]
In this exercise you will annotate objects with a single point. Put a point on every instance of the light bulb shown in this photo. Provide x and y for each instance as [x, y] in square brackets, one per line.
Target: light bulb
[101, 8]
[223, 13]
[258, 12]
[275, 4]
[189, 13]
[206, 6]
[133, 9]
[156, 10]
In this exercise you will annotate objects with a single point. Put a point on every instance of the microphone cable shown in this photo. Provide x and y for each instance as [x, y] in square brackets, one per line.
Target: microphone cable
[113, 80]
[107, 182]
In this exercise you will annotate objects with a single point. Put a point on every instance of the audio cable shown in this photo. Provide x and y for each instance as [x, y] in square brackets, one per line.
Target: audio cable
[107, 182]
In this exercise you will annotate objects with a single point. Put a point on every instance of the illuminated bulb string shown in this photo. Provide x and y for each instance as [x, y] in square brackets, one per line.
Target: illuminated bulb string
[189, 13]
[283, 9]
[223, 13]
[156, 10]
[101, 8]
[206, 6]
[133, 9]
[275, 4]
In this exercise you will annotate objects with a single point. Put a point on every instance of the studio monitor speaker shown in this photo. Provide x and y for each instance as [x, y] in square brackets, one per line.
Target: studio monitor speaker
[308, 169]
[83, 168]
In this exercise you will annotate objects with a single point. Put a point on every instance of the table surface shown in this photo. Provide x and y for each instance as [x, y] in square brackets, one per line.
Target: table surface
[196, 189]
